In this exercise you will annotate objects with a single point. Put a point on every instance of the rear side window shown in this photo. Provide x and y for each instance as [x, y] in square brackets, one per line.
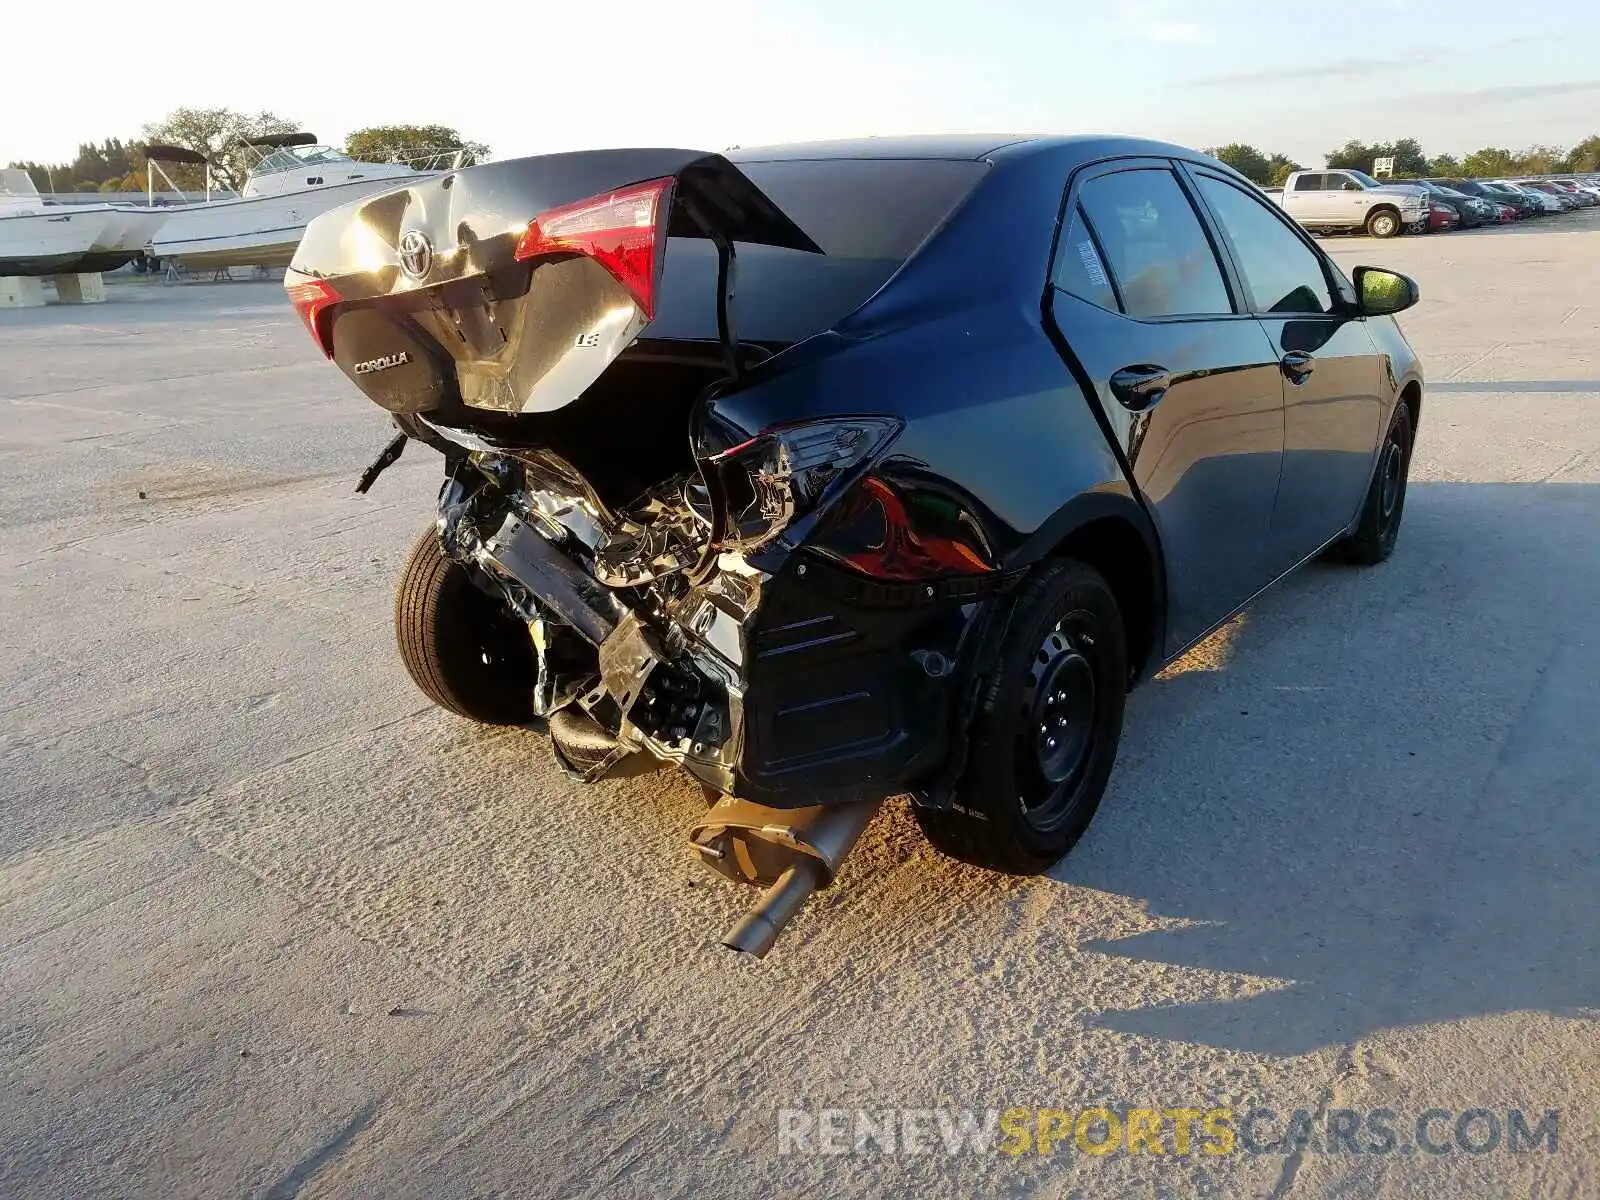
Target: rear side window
[1309, 183]
[866, 208]
[1079, 268]
[868, 215]
[1154, 245]
[1283, 273]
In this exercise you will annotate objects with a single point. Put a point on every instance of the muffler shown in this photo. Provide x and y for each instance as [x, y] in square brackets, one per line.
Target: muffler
[791, 852]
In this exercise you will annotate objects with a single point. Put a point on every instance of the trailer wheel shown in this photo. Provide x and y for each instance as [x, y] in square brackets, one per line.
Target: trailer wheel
[1045, 739]
[465, 651]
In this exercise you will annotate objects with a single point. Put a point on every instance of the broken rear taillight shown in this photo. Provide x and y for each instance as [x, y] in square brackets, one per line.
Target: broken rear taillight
[312, 300]
[786, 473]
[617, 230]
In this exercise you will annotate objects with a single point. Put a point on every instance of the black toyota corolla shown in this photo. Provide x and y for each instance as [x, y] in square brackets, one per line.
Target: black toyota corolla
[838, 471]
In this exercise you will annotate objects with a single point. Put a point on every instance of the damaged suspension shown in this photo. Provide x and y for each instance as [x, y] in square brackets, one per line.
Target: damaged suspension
[614, 677]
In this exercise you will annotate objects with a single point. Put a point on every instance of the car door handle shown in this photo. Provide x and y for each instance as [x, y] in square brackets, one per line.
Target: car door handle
[1297, 365]
[1140, 386]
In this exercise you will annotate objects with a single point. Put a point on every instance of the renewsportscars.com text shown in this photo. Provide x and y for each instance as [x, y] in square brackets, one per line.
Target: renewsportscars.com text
[1176, 1131]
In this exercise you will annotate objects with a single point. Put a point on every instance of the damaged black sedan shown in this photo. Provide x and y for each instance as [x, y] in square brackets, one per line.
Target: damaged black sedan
[839, 471]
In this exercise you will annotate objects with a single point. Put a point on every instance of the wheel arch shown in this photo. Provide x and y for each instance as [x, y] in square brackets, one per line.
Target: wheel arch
[1411, 397]
[1384, 206]
[1111, 532]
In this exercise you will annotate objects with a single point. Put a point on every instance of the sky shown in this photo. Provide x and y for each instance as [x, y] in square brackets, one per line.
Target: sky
[544, 75]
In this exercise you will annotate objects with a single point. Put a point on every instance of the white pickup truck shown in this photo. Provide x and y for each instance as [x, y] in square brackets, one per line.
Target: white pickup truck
[1347, 199]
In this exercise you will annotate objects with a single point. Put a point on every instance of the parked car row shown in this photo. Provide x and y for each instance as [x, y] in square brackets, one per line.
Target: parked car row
[1353, 201]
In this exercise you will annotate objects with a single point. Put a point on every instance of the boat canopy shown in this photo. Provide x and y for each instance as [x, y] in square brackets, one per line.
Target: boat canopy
[278, 141]
[164, 153]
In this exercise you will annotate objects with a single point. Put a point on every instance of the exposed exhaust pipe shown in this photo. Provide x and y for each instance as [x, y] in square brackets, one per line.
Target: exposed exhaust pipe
[759, 928]
[790, 852]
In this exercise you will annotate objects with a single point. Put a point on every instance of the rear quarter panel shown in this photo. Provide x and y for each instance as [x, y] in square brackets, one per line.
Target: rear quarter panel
[955, 343]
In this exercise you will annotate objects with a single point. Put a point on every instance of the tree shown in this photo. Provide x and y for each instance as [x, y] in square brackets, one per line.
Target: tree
[219, 134]
[1279, 168]
[1585, 156]
[1359, 156]
[1408, 157]
[1489, 163]
[97, 163]
[1542, 160]
[1246, 160]
[1446, 165]
[1352, 156]
[412, 144]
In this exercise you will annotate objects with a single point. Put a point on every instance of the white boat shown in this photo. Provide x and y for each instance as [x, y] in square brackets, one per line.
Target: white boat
[126, 236]
[41, 238]
[296, 181]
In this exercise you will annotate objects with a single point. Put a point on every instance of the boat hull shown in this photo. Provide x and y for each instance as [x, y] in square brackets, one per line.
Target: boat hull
[55, 241]
[260, 231]
[125, 238]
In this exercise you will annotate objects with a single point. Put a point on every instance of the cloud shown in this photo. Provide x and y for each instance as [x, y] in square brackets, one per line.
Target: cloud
[1525, 91]
[1493, 97]
[1357, 68]
[1350, 68]
[1182, 33]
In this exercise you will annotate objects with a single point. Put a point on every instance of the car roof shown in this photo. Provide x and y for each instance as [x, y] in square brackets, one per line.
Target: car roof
[969, 146]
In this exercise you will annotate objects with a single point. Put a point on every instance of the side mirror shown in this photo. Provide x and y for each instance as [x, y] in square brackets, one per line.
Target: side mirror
[1383, 293]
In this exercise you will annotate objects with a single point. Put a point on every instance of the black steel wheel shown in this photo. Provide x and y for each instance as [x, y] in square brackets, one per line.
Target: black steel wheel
[1374, 537]
[464, 649]
[1045, 740]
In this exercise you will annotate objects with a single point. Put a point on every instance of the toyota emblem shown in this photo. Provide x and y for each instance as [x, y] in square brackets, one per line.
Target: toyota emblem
[416, 254]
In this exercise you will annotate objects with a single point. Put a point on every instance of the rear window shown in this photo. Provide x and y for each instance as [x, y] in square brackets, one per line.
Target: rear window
[868, 215]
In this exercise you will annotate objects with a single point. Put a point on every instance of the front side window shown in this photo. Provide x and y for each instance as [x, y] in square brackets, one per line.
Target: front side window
[1154, 245]
[1283, 273]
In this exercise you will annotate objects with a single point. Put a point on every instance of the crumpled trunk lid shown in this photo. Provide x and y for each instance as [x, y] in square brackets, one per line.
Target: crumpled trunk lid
[513, 286]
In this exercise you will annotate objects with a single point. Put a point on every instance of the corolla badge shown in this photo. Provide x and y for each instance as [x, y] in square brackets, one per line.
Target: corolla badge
[373, 365]
[416, 254]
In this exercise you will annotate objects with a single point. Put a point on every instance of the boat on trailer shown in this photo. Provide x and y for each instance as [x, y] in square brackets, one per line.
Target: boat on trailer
[296, 179]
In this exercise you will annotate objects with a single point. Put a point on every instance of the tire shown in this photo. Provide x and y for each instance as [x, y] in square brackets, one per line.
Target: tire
[1383, 223]
[1374, 537]
[1024, 801]
[465, 651]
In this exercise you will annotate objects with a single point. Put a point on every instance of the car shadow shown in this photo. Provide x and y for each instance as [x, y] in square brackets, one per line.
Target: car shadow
[1373, 796]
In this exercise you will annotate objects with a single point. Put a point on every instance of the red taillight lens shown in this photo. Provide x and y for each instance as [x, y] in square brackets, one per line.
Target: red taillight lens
[311, 300]
[874, 531]
[617, 230]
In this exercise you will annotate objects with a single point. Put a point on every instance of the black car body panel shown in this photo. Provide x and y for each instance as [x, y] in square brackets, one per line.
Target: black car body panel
[1457, 202]
[1526, 206]
[999, 394]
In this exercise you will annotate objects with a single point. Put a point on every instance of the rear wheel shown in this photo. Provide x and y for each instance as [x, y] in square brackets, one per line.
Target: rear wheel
[465, 650]
[1374, 538]
[1384, 223]
[1045, 739]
